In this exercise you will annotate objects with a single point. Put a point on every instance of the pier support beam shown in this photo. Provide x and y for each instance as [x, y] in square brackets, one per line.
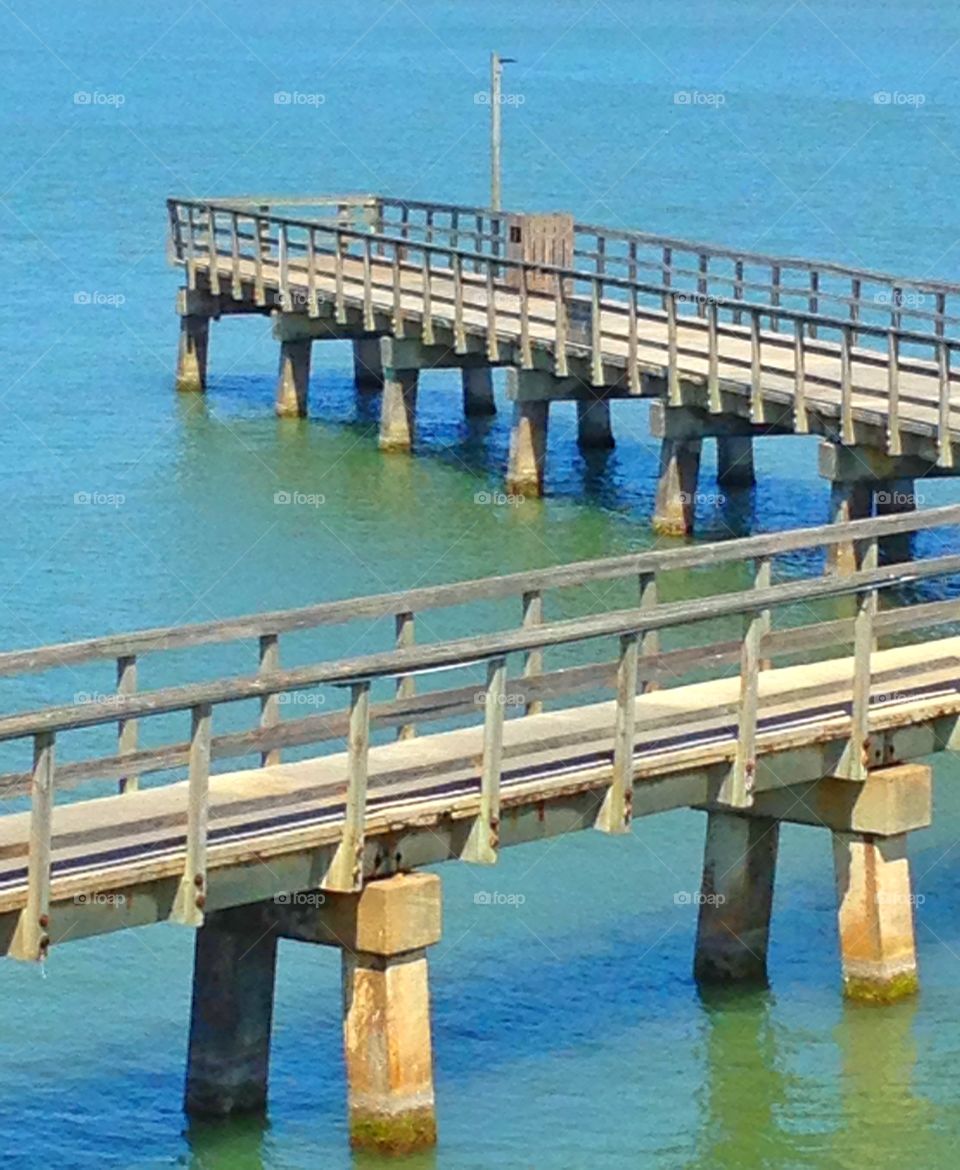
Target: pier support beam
[192, 354]
[367, 364]
[736, 898]
[594, 431]
[677, 486]
[528, 447]
[293, 378]
[891, 497]
[877, 947]
[478, 398]
[231, 1017]
[735, 461]
[386, 1022]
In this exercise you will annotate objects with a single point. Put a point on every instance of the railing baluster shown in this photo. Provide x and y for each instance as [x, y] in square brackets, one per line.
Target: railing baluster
[855, 292]
[212, 251]
[32, 937]
[405, 631]
[801, 424]
[814, 302]
[633, 346]
[944, 442]
[713, 360]
[738, 290]
[561, 364]
[601, 254]
[459, 331]
[127, 728]
[667, 272]
[775, 296]
[703, 284]
[493, 344]
[617, 808]
[856, 760]
[398, 316]
[428, 337]
[846, 386]
[191, 250]
[894, 442]
[192, 895]
[368, 320]
[478, 242]
[236, 285]
[941, 308]
[340, 306]
[737, 789]
[283, 257]
[346, 869]
[757, 414]
[596, 332]
[313, 304]
[763, 568]
[483, 844]
[674, 396]
[533, 659]
[526, 350]
[649, 639]
[259, 290]
[269, 704]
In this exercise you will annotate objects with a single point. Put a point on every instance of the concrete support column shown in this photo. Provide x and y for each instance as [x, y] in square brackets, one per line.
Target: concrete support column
[528, 447]
[892, 497]
[398, 409]
[593, 423]
[386, 1022]
[877, 947]
[293, 378]
[478, 393]
[736, 897]
[677, 486]
[231, 1018]
[192, 354]
[367, 364]
[848, 501]
[735, 461]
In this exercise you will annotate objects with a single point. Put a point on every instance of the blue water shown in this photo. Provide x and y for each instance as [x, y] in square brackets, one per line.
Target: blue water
[568, 1031]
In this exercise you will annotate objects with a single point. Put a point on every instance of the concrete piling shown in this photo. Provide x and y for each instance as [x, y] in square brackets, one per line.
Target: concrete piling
[848, 501]
[736, 898]
[293, 378]
[192, 354]
[231, 1017]
[528, 446]
[677, 486]
[398, 409]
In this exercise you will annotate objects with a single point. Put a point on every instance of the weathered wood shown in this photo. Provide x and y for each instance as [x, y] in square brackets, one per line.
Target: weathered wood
[191, 896]
[616, 811]
[483, 844]
[127, 728]
[346, 868]
[33, 937]
[269, 704]
[405, 636]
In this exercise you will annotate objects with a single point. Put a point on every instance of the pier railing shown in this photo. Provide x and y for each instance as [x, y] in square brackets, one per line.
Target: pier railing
[639, 663]
[455, 261]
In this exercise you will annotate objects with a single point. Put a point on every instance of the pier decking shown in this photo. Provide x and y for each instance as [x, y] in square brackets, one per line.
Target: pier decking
[732, 345]
[328, 849]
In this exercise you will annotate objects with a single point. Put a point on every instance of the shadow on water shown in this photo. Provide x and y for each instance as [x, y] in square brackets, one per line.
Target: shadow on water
[234, 1144]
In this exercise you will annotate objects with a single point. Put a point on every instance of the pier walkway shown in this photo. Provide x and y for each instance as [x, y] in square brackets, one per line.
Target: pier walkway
[731, 345]
[793, 696]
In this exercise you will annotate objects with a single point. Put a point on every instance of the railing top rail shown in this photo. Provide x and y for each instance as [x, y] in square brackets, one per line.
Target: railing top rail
[466, 651]
[677, 243]
[160, 638]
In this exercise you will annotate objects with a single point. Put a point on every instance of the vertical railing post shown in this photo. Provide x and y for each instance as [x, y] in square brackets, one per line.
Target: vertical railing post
[533, 659]
[617, 808]
[814, 301]
[399, 330]
[191, 249]
[493, 344]
[894, 441]
[944, 440]
[526, 352]
[634, 378]
[313, 304]
[428, 337]
[713, 360]
[775, 296]
[369, 323]
[596, 331]
[212, 251]
[340, 305]
[483, 844]
[346, 869]
[649, 639]
[192, 894]
[561, 365]
[269, 704]
[32, 937]
[846, 386]
[459, 331]
[801, 423]
[674, 395]
[236, 282]
[405, 630]
[283, 260]
[757, 414]
[703, 284]
[855, 293]
[738, 290]
[259, 287]
[737, 789]
[856, 761]
[127, 728]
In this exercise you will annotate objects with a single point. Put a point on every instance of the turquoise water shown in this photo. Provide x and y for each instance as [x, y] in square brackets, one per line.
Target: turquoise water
[568, 1032]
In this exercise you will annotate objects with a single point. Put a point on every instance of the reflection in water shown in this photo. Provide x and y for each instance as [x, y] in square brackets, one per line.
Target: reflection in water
[235, 1144]
[426, 1160]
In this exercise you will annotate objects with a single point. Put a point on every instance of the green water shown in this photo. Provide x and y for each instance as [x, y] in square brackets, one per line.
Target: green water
[568, 1032]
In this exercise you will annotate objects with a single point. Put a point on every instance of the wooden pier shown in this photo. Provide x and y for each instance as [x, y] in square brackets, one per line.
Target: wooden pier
[732, 345]
[734, 719]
